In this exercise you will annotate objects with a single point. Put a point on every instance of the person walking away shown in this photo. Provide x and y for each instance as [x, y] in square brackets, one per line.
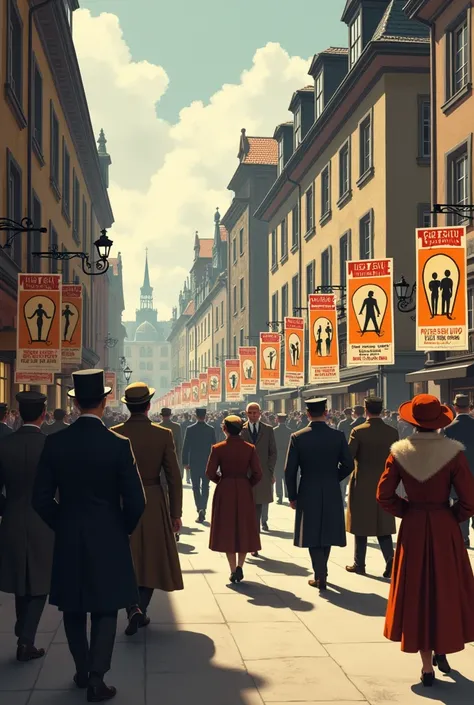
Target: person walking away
[282, 441]
[234, 466]
[199, 439]
[58, 424]
[370, 445]
[26, 543]
[154, 551]
[462, 429]
[175, 429]
[184, 427]
[323, 458]
[345, 427]
[5, 429]
[93, 472]
[263, 438]
[358, 417]
[431, 602]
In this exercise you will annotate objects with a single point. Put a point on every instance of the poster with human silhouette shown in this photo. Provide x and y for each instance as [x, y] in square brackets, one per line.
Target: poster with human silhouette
[38, 324]
[441, 294]
[294, 352]
[186, 394]
[203, 397]
[270, 361]
[71, 324]
[248, 370]
[195, 391]
[370, 329]
[323, 340]
[214, 385]
[232, 380]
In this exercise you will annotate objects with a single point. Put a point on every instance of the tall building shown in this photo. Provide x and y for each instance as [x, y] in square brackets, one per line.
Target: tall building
[116, 330]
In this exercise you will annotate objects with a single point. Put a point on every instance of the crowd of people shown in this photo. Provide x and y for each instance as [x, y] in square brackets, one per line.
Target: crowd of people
[92, 513]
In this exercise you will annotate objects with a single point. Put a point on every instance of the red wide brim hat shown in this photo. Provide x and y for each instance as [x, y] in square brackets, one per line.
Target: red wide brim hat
[426, 411]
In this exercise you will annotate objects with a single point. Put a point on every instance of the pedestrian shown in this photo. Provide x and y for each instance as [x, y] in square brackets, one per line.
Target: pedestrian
[323, 458]
[184, 427]
[93, 472]
[154, 551]
[345, 426]
[5, 429]
[370, 445]
[234, 466]
[58, 424]
[198, 441]
[282, 441]
[263, 438]
[175, 429]
[358, 416]
[26, 543]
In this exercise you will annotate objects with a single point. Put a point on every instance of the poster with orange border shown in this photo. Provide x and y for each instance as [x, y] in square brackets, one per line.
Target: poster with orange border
[441, 293]
[270, 361]
[232, 380]
[214, 385]
[38, 323]
[370, 329]
[294, 352]
[195, 391]
[178, 391]
[111, 381]
[186, 395]
[71, 324]
[324, 344]
[203, 393]
[37, 378]
[248, 370]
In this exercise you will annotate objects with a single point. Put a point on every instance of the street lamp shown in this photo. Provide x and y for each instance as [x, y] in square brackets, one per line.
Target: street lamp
[110, 342]
[12, 228]
[127, 373]
[405, 295]
[102, 245]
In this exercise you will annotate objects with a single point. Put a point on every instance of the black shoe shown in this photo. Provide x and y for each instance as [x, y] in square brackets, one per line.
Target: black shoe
[388, 569]
[427, 679]
[441, 661]
[279, 500]
[254, 554]
[135, 616]
[177, 538]
[81, 680]
[145, 621]
[201, 516]
[233, 578]
[99, 693]
[355, 569]
[28, 652]
[239, 574]
[265, 526]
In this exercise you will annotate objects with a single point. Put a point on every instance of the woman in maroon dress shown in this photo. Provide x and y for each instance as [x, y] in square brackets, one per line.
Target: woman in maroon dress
[234, 466]
[431, 603]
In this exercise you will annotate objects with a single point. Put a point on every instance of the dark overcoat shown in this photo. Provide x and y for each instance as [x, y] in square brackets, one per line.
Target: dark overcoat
[322, 455]
[282, 441]
[198, 441]
[5, 430]
[51, 428]
[26, 543]
[267, 454]
[101, 500]
[175, 429]
[462, 430]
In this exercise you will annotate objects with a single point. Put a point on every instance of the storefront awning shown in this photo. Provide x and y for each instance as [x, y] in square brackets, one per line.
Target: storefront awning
[443, 372]
[359, 385]
[284, 394]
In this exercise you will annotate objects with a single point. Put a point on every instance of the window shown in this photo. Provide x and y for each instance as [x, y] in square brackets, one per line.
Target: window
[37, 109]
[14, 203]
[149, 366]
[319, 95]
[241, 337]
[459, 179]
[275, 307]
[15, 57]
[309, 210]
[344, 170]
[366, 237]
[241, 241]
[295, 292]
[235, 300]
[424, 117]
[310, 275]
[234, 345]
[355, 40]
[34, 239]
[76, 207]
[274, 248]
[281, 160]
[217, 317]
[84, 224]
[53, 244]
[458, 50]
[424, 215]
[297, 126]
[295, 227]
[222, 314]
[344, 256]
[326, 192]
[284, 301]
[470, 308]
[365, 136]
[242, 293]
[54, 156]
[326, 268]
[234, 250]
[66, 182]
[283, 239]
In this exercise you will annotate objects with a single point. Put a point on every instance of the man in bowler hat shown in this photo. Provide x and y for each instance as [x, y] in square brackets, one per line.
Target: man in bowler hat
[101, 499]
[198, 441]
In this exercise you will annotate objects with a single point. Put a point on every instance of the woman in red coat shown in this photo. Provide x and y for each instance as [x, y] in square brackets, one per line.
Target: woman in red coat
[431, 604]
[235, 467]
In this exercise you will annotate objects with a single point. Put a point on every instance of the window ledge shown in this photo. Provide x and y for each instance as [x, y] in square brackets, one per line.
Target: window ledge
[345, 198]
[310, 234]
[423, 161]
[294, 248]
[284, 258]
[274, 267]
[365, 177]
[66, 216]
[38, 152]
[457, 98]
[325, 218]
[15, 106]
[55, 189]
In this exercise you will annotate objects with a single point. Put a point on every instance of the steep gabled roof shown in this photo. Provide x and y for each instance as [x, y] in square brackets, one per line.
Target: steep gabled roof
[263, 150]
[205, 248]
[395, 26]
[189, 310]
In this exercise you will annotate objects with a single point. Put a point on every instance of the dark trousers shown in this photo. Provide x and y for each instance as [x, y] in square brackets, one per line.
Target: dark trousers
[319, 559]
[94, 657]
[200, 489]
[259, 508]
[360, 549]
[145, 594]
[280, 485]
[28, 615]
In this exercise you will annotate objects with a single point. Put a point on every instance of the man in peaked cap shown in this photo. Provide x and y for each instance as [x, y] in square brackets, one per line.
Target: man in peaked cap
[4, 429]
[101, 500]
[26, 543]
[198, 441]
[462, 429]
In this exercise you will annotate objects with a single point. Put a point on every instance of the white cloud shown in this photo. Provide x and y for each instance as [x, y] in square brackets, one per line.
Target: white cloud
[166, 180]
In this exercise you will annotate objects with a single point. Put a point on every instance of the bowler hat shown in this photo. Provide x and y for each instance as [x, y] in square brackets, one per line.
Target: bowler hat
[426, 411]
[30, 397]
[462, 401]
[89, 384]
[138, 393]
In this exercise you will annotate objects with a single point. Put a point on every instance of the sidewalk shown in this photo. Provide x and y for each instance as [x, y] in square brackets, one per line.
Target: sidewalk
[273, 639]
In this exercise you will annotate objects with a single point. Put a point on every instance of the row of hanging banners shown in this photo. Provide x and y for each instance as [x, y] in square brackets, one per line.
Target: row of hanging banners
[441, 324]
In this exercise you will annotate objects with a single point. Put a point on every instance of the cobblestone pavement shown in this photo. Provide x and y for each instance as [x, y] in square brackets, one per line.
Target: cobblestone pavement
[273, 639]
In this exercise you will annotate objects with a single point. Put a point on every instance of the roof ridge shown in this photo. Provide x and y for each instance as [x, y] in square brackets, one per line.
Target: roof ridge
[395, 25]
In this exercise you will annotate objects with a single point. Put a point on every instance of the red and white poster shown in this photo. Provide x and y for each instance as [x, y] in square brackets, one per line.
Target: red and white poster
[248, 370]
[71, 324]
[294, 352]
[37, 378]
[203, 395]
[232, 380]
[186, 395]
[323, 340]
[111, 381]
[214, 384]
[270, 363]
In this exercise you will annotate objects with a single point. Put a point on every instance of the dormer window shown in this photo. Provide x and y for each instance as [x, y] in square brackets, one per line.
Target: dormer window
[298, 126]
[319, 95]
[355, 39]
[281, 160]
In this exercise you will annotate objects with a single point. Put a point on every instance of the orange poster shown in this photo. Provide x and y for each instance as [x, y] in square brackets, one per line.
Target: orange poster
[187, 401]
[248, 370]
[203, 396]
[232, 380]
[214, 384]
[38, 378]
[71, 324]
[370, 334]
[270, 366]
[38, 323]
[324, 348]
[111, 381]
[441, 294]
[294, 352]
[178, 391]
[195, 390]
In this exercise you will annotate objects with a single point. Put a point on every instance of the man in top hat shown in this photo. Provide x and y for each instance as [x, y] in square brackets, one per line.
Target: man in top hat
[154, 551]
[58, 424]
[462, 429]
[101, 499]
[5, 430]
[26, 543]
[370, 445]
[323, 458]
[198, 441]
[175, 429]
[282, 441]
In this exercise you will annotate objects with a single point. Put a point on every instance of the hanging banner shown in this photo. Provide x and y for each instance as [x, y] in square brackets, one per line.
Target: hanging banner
[294, 352]
[248, 370]
[38, 323]
[187, 401]
[441, 294]
[37, 378]
[370, 333]
[71, 324]
[195, 391]
[178, 396]
[324, 347]
[111, 381]
[214, 385]
[203, 398]
[270, 363]
[232, 380]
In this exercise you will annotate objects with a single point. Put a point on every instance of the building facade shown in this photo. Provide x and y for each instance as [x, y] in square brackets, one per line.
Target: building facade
[178, 337]
[116, 330]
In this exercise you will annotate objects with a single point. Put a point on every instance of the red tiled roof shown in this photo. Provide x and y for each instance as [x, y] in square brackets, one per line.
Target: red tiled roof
[336, 50]
[205, 248]
[189, 310]
[224, 233]
[263, 150]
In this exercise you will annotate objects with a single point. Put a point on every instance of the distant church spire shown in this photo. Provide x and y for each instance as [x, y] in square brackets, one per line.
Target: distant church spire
[146, 291]
[104, 158]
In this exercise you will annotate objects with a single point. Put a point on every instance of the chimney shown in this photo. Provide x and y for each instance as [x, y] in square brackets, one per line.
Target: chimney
[244, 146]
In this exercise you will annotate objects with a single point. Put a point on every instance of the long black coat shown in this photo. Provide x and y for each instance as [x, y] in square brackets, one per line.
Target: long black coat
[198, 441]
[101, 500]
[322, 455]
[282, 441]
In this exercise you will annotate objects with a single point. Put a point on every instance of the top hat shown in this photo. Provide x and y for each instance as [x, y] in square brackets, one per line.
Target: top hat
[282, 416]
[461, 400]
[166, 411]
[426, 411]
[89, 384]
[30, 397]
[138, 393]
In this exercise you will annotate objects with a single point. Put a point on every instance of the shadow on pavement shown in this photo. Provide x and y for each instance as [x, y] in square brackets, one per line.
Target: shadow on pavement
[282, 567]
[367, 604]
[186, 548]
[459, 692]
[259, 595]
[187, 530]
[273, 533]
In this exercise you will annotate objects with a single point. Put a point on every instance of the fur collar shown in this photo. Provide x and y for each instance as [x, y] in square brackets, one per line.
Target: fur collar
[422, 455]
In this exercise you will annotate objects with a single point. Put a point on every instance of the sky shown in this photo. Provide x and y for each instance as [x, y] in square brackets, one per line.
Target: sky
[172, 89]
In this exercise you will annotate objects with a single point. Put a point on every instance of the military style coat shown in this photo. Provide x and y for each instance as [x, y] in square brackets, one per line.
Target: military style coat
[5, 430]
[175, 429]
[198, 441]
[49, 429]
[267, 454]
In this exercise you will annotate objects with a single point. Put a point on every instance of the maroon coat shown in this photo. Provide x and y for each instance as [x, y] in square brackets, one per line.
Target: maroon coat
[234, 526]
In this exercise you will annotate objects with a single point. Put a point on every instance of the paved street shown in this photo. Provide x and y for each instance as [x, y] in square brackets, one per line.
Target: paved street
[271, 640]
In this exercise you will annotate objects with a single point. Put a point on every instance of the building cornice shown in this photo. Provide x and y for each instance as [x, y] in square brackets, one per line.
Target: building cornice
[178, 327]
[426, 11]
[235, 210]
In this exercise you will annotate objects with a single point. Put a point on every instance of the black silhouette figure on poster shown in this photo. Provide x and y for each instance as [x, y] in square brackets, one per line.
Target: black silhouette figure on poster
[372, 311]
[295, 352]
[319, 342]
[435, 286]
[40, 314]
[271, 359]
[233, 380]
[329, 337]
[446, 294]
[67, 313]
[195, 393]
[249, 371]
[214, 384]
